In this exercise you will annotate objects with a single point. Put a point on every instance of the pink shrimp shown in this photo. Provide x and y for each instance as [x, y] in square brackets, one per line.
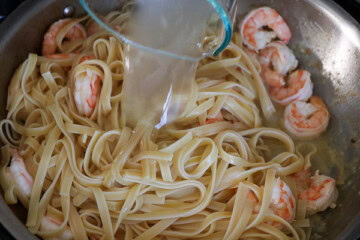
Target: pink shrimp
[319, 191]
[298, 88]
[87, 85]
[253, 34]
[51, 223]
[307, 120]
[49, 45]
[17, 171]
[276, 61]
[282, 202]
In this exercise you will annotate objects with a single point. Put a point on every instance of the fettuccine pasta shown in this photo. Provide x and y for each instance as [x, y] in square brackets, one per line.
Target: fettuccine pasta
[209, 175]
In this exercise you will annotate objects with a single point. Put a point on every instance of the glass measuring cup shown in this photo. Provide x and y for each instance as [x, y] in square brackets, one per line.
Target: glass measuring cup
[163, 42]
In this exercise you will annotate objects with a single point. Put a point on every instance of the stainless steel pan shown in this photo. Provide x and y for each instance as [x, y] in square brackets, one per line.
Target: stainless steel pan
[326, 40]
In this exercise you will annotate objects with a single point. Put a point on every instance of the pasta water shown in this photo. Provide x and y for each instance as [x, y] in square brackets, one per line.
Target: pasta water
[157, 86]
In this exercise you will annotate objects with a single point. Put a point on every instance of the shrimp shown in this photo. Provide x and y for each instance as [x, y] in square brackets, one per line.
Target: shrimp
[87, 85]
[49, 45]
[307, 120]
[253, 34]
[319, 191]
[50, 224]
[276, 61]
[282, 202]
[17, 171]
[298, 88]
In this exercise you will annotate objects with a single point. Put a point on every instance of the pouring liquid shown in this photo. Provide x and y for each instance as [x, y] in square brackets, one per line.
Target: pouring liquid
[157, 86]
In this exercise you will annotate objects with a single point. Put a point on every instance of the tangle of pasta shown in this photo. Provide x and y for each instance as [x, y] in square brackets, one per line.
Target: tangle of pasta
[190, 180]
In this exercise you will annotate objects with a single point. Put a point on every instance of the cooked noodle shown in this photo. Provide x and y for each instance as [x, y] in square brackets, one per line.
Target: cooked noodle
[107, 181]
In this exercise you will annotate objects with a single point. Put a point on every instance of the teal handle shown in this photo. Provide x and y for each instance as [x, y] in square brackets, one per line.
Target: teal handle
[227, 25]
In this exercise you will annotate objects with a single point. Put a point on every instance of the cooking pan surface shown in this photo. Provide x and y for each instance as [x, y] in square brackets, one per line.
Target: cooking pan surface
[326, 41]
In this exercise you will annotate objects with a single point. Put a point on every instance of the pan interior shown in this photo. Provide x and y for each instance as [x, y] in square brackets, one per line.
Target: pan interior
[325, 40]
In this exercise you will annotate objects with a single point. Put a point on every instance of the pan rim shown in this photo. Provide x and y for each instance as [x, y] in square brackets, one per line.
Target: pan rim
[27, 9]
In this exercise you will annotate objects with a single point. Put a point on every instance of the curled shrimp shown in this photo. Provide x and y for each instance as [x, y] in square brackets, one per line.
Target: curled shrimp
[252, 28]
[319, 191]
[50, 224]
[276, 60]
[49, 45]
[282, 202]
[307, 120]
[298, 88]
[86, 90]
[17, 171]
